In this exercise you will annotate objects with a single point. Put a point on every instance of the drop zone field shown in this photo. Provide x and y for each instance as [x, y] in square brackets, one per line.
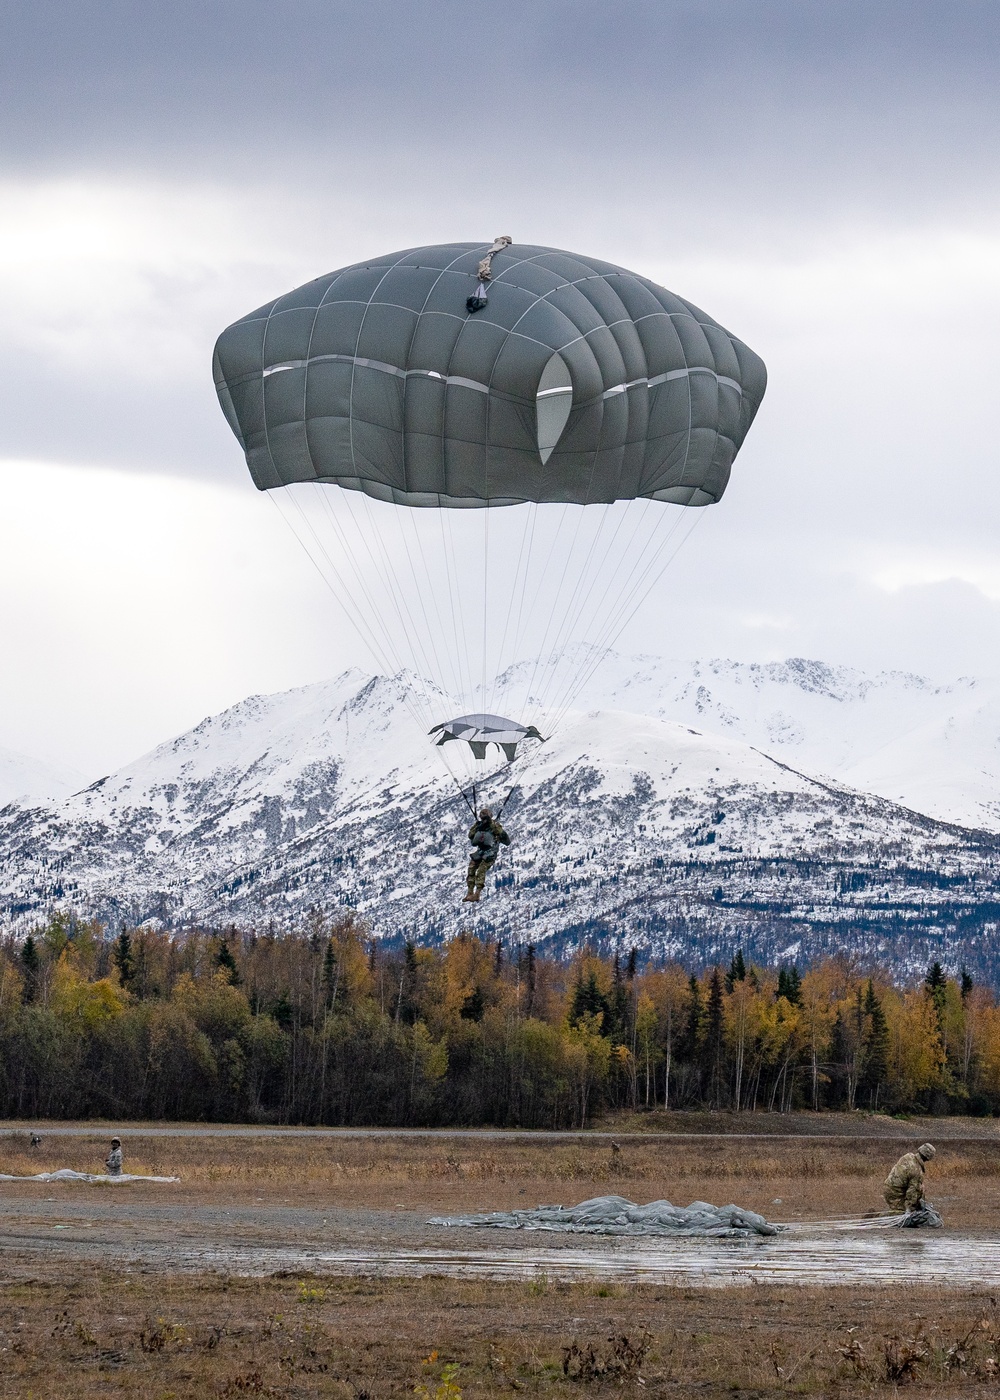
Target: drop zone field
[302, 1264]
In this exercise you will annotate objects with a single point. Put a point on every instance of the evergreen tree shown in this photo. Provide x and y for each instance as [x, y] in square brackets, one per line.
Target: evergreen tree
[330, 975]
[876, 1060]
[283, 1011]
[689, 1040]
[737, 971]
[498, 959]
[30, 968]
[227, 963]
[124, 959]
[936, 984]
[967, 985]
[630, 970]
[589, 1000]
[858, 1046]
[619, 1007]
[712, 1045]
[790, 985]
[530, 975]
[406, 1006]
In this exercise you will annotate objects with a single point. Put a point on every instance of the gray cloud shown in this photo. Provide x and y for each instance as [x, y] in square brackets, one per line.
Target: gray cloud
[857, 98]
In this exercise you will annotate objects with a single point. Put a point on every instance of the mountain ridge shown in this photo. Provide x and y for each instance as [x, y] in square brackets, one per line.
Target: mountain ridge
[628, 827]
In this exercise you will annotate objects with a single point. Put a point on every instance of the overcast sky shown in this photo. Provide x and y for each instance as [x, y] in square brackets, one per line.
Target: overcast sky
[821, 177]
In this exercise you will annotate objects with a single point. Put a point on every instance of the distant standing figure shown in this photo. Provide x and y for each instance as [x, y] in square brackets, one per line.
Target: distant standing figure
[113, 1162]
[904, 1186]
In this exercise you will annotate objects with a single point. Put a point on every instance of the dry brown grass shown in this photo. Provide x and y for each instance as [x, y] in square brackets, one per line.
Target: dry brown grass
[813, 1180]
[802, 1123]
[399, 1160]
[171, 1338]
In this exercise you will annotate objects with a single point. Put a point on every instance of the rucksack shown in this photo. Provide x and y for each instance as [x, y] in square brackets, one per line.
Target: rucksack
[484, 841]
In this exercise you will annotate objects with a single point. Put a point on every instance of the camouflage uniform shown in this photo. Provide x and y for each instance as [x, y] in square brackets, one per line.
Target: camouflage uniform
[904, 1186]
[483, 857]
[113, 1162]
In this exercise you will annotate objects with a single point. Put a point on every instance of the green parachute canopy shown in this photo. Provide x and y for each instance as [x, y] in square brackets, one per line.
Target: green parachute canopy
[577, 381]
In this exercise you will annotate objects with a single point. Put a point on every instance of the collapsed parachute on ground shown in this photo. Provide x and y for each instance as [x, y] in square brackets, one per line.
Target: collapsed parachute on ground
[94, 1178]
[927, 1218]
[614, 1215]
[577, 382]
[479, 731]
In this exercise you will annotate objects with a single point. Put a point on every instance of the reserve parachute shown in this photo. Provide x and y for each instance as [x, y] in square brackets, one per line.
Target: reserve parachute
[488, 451]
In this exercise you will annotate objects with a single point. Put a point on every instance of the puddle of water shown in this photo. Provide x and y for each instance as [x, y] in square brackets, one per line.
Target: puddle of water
[864, 1259]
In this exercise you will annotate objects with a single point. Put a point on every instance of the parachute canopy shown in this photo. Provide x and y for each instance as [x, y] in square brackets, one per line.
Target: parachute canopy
[577, 382]
[480, 730]
[614, 1215]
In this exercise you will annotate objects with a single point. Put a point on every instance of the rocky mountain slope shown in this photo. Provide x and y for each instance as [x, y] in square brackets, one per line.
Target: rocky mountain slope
[633, 823]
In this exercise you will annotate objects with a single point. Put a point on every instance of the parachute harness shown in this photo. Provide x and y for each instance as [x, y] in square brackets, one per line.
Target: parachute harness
[485, 274]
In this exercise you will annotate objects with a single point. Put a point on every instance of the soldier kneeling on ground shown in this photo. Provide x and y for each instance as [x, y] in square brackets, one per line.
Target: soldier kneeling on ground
[904, 1186]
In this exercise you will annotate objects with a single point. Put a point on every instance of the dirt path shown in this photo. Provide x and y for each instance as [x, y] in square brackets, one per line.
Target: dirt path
[651, 1127]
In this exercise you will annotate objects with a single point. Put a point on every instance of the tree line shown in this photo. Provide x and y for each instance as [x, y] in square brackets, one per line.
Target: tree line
[325, 1025]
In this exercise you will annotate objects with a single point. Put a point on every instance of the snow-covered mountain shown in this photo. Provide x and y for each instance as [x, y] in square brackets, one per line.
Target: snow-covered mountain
[29, 781]
[647, 819]
[935, 748]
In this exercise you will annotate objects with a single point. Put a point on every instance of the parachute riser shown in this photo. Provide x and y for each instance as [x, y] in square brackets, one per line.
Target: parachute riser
[473, 802]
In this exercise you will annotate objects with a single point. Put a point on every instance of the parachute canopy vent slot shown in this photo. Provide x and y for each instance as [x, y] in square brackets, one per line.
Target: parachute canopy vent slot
[553, 404]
